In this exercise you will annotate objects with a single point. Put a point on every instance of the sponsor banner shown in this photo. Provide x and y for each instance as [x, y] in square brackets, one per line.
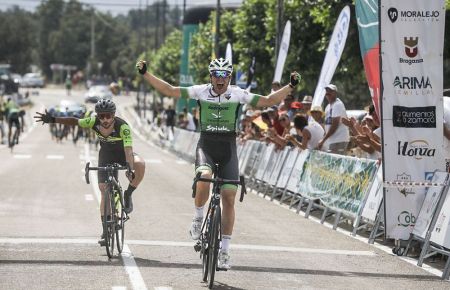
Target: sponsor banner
[412, 39]
[374, 198]
[287, 168]
[229, 53]
[367, 20]
[429, 206]
[334, 52]
[340, 182]
[282, 54]
[294, 179]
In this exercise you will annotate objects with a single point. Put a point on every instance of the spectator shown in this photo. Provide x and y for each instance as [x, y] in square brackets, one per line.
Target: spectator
[307, 102]
[169, 116]
[274, 117]
[336, 133]
[311, 132]
[182, 121]
[296, 107]
[190, 120]
[279, 139]
[317, 114]
[287, 102]
[195, 117]
[68, 84]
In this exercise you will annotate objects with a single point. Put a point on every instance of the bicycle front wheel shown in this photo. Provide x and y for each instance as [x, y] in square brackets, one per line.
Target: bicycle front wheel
[214, 244]
[120, 218]
[109, 221]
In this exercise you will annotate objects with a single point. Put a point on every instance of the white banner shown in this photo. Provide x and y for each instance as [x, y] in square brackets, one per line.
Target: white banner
[429, 205]
[441, 231]
[229, 53]
[282, 54]
[375, 197]
[334, 52]
[412, 40]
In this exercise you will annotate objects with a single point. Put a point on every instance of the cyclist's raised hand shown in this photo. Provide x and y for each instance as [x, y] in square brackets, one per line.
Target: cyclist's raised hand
[141, 66]
[44, 118]
[295, 79]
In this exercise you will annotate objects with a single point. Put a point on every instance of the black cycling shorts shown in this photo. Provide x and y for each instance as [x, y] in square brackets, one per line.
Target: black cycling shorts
[220, 149]
[106, 157]
[14, 119]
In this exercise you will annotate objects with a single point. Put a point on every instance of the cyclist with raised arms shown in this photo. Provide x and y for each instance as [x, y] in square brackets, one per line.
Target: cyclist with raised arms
[115, 146]
[218, 108]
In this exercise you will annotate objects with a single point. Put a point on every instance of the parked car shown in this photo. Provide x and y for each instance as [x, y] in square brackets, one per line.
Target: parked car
[7, 84]
[96, 93]
[32, 80]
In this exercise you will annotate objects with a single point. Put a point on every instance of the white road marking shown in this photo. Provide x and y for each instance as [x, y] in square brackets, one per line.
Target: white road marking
[163, 288]
[22, 156]
[118, 288]
[131, 268]
[88, 197]
[154, 161]
[92, 175]
[55, 157]
[189, 245]
[182, 162]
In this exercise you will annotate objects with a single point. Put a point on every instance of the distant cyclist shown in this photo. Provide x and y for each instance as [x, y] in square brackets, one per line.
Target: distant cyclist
[115, 146]
[12, 115]
[218, 108]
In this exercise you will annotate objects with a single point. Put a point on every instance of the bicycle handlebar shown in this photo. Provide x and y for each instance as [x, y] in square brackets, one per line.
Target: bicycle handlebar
[220, 181]
[113, 167]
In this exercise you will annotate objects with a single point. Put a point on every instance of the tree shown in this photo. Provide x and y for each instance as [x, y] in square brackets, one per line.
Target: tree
[17, 48]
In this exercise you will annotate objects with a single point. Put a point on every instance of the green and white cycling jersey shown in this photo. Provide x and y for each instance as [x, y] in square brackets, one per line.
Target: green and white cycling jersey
[218, 113]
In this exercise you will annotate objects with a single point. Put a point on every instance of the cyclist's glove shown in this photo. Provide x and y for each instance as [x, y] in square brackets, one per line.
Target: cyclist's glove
[295, 79]
[44, 118]
[142, 67]
[130, 175]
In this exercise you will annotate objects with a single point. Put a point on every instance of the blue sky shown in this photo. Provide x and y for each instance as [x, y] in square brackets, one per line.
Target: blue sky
[114, 6]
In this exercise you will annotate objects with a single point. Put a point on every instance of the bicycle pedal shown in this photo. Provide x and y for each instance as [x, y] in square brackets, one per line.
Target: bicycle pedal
[197, 247]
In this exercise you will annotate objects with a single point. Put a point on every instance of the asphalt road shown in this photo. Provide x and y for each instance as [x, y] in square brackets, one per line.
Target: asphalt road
[49, 226]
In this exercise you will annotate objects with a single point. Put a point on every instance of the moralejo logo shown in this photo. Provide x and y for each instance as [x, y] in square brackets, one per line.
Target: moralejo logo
[406, 219]
[417, 149]
[412, 15]
[404, 178]
[414, 117]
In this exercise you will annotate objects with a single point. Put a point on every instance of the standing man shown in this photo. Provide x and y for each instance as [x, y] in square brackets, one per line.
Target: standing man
[336, 133]
[218, 107]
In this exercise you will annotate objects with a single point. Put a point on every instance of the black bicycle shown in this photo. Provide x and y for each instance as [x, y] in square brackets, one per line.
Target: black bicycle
[209, 242]
[114, 216]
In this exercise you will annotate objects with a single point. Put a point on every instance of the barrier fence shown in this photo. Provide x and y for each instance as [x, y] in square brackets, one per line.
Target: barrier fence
[348, 188]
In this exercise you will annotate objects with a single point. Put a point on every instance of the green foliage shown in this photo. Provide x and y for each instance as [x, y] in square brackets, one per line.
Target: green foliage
[17, 48]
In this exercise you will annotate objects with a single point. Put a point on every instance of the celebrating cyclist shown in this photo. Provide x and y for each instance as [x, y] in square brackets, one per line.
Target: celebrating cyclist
[218, 108]
[115, 146]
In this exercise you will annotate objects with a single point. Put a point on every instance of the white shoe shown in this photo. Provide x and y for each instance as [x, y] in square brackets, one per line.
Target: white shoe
[196, 228]
[223, 262]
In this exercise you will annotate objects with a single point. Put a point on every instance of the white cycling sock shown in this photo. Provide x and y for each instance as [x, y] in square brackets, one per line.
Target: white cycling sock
[198, 212]
[225, 243]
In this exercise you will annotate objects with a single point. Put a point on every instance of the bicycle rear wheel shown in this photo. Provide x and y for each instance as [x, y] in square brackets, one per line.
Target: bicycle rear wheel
[109, 221]
[120, 218]
[205, 249]
[214, 244]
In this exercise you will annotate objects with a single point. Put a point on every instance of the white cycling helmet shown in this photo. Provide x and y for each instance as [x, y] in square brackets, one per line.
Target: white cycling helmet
[220, 64]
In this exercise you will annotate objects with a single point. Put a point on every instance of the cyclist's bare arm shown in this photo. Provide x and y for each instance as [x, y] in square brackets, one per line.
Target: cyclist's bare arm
[129, 156]
[274, 98]
[162, 86]
[67, 121]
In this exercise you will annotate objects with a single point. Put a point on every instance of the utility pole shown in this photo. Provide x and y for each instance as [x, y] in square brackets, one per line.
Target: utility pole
[184, 9]
[279, 27]
[164, 20]
[157, 26]
[216, 42]
[139, 47]
[145, 56]
[92, 62]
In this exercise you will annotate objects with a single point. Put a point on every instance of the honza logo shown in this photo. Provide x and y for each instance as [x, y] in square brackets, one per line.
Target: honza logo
[393, 14]
[411, 50]
[417, 149]
[414, 117]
